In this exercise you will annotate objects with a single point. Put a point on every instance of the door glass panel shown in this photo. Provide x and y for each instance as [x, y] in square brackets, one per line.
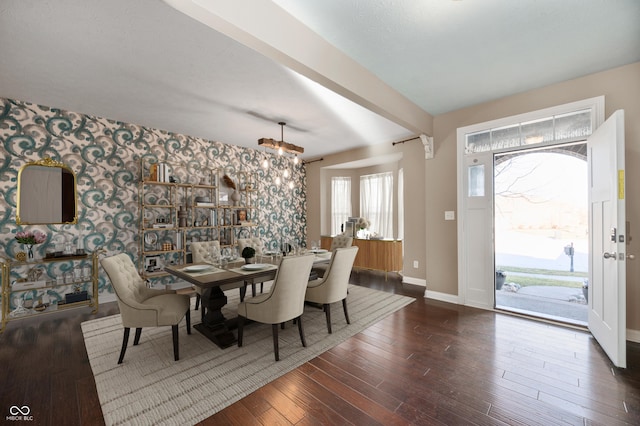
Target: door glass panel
[476, 180]
[573, 126]
[478, 142]
[537, 131]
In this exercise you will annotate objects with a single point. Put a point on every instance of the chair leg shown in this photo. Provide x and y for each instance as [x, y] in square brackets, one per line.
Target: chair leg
[174, 331]
[202, 313]
[125, 341]
[197, 301]
[253, 289]
[274, 328]
[261, 287]
[136, 339]
[240, 329]
[344, 306]
[300, 329]
[187, 316]
[327, 313]
[282, 325]
[243, 293]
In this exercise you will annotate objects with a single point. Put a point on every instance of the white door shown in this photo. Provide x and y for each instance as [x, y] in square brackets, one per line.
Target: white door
[607, 238]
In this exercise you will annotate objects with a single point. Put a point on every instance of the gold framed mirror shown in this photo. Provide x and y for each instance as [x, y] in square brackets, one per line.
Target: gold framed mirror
[47, 194]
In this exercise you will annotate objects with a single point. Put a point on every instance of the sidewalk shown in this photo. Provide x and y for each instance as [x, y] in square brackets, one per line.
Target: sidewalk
[565, 304]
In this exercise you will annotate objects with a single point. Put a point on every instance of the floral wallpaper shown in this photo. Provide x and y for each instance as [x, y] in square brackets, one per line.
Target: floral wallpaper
[106, 156]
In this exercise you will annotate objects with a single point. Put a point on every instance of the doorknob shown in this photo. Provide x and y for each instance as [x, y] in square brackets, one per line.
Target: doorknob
[607, 255]
[631, 256]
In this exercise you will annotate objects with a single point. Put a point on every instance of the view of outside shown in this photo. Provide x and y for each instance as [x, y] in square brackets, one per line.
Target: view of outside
[541, 234]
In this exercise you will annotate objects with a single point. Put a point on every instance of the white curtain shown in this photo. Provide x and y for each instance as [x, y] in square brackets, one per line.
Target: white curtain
[340, 202]
[401, 204]
[376, 202]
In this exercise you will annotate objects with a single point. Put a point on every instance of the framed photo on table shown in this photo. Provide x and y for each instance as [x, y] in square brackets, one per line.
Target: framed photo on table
[241, 216]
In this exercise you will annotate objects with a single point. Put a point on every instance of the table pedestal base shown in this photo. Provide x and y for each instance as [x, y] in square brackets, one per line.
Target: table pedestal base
[215, 326]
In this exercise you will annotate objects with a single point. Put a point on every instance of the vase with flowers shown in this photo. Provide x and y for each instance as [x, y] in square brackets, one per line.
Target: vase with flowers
[30, 239]
[361, 225]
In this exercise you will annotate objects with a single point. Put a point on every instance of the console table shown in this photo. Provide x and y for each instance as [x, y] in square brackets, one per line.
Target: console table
[380, 255]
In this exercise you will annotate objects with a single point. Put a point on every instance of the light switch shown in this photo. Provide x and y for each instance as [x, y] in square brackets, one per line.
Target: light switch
[450, 215]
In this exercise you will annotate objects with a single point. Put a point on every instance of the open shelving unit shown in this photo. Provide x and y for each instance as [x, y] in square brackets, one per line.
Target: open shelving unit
[174, 214]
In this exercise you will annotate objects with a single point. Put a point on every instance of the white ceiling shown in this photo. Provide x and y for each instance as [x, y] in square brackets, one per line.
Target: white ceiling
[145, 62]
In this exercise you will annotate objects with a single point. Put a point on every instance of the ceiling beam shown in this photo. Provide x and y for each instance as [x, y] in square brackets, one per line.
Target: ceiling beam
[271, 31]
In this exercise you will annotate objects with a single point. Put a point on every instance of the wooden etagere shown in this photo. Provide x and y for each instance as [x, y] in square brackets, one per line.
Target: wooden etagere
[173, 214]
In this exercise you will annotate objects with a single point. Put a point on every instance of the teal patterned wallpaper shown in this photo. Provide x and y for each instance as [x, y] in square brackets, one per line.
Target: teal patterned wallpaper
[106, 157]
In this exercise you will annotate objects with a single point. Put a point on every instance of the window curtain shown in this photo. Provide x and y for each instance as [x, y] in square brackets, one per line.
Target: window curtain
[401, 204]
[376, 202]
[340, 202]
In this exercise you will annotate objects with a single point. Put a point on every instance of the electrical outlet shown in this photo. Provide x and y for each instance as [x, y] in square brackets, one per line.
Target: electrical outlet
[415, 264]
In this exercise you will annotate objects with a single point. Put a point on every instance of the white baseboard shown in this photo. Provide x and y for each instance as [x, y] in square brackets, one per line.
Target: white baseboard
[415, 281]
[443, 297]
[633, 335]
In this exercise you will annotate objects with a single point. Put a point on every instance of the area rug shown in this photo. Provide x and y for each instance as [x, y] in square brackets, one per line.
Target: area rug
[149, 387]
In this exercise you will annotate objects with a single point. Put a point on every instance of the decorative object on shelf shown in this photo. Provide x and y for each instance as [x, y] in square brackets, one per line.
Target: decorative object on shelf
[166, 246]
[151, 239]
[235, 197]
[249, 254]
[30, 239]
[21, 256]
[152, 263]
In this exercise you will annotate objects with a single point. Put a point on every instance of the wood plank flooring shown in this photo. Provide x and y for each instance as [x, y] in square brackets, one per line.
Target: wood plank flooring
[429, 363]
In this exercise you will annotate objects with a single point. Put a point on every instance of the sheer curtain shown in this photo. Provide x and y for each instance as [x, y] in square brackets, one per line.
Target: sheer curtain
[376, 202]
[340, 202]
[401, 204]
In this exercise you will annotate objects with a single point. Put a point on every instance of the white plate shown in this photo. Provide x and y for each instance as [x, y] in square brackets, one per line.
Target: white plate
[197, 268]
[320, 251]
[254, 266]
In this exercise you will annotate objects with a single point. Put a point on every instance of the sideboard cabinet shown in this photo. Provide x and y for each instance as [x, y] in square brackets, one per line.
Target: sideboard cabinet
[380, 255]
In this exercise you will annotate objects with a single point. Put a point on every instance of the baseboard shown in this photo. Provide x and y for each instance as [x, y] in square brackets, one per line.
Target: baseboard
[633, 335]
[415, 281]
[443, 297]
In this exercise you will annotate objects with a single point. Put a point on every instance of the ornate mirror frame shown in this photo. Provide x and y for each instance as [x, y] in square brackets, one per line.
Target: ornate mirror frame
[29, 194]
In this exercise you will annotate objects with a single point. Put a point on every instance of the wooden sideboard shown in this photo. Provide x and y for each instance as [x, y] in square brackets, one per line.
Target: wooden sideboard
[381, 255]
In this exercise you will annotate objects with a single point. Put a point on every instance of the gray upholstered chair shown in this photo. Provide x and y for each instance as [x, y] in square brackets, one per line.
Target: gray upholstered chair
[254, 242]
[339, 241]
[257, 244]
[144, 307]
[284, 302]
[333, 286]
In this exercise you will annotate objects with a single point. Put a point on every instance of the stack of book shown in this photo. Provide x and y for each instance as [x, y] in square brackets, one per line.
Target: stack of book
[159, 172]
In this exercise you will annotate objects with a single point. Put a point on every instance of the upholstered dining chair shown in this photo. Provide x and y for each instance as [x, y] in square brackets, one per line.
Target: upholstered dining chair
[339, 241]
[333, 286]
[144, 307]
[283, 302]
[257, 244]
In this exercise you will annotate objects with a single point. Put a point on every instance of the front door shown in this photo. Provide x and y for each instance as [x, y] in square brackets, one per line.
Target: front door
[607, 238]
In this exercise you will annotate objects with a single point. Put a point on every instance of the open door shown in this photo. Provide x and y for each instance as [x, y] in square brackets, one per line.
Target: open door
[607, 238]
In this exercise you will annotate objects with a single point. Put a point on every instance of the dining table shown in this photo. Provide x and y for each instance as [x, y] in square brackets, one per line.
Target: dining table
[215, 278]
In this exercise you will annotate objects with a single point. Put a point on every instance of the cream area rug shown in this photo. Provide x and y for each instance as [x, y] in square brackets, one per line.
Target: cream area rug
[150, 388]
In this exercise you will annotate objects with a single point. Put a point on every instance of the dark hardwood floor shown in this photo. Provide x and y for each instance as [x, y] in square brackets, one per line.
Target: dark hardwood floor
[429, 363]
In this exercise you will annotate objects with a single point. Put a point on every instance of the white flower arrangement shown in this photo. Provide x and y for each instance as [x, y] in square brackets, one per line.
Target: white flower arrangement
[362, 223]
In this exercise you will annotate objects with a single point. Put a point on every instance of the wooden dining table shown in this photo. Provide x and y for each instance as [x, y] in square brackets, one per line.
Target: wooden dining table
[213, 280]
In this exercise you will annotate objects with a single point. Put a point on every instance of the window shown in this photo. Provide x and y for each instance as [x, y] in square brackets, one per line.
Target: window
[376, 202]
[340, 202]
